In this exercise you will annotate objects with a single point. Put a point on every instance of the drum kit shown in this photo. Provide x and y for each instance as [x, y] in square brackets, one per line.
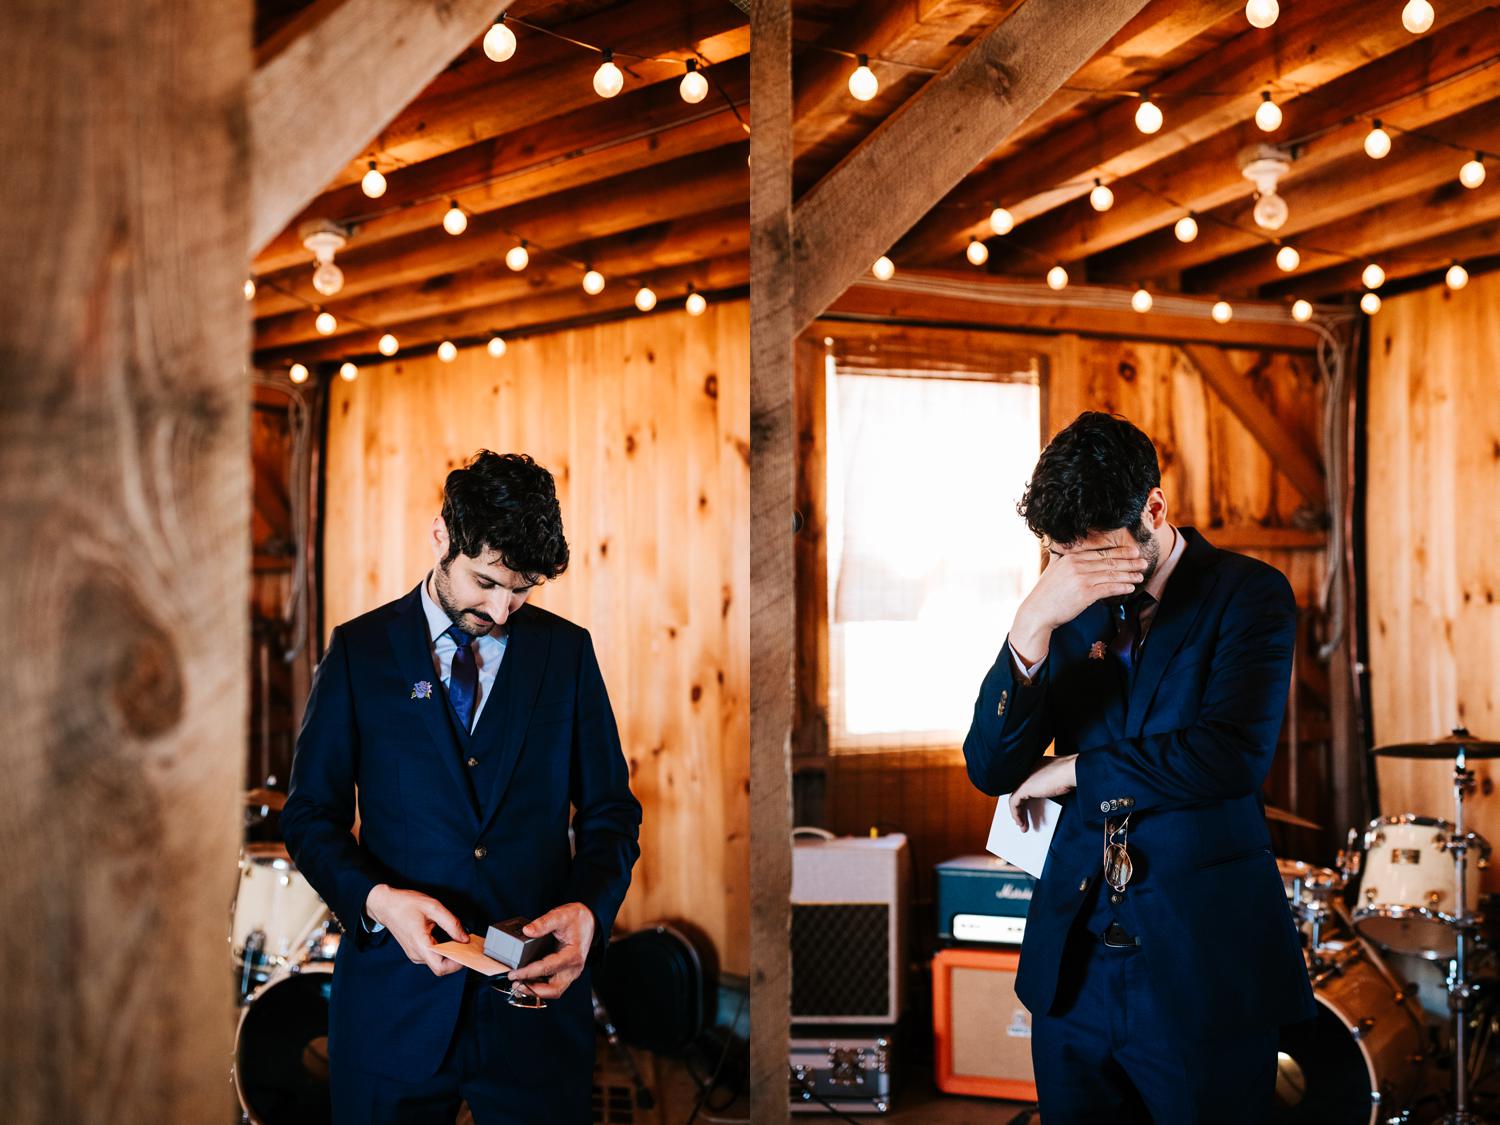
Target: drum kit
[1401, 971]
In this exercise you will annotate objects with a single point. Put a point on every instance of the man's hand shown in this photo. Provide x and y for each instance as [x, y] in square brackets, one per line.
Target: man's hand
[1053, 778]
[573, 925]
[410, 916]
[1071, 583]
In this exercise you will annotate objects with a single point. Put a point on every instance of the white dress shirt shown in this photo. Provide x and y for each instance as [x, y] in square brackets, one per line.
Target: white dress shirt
[488, 652]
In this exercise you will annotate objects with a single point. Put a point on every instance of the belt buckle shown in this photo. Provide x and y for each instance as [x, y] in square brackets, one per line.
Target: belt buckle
[1115, 937]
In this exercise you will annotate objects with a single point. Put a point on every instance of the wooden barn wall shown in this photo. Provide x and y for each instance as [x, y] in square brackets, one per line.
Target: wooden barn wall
[1432, 514]
[1215, 474]
[644, 423]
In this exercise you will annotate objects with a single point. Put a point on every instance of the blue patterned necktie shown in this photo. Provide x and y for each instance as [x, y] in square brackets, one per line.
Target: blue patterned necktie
[1127, 639]
[463, 680]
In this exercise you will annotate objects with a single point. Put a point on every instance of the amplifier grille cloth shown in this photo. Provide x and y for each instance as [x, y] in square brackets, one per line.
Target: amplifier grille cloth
[841, 959]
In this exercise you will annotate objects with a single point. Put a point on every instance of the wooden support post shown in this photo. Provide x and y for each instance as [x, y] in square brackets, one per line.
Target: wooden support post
[772, 620]
[125, 488]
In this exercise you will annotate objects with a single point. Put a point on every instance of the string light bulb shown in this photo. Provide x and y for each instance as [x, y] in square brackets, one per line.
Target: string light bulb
[249, 288]
[348, 372]
[863, 84]
[1373, 276]
[325, 323]
[977, 253]
[1148, 116]
[1302, 310]
[1140, 300]
[496, 347]
[1057, 278]
[455, 222]
[1221, 312]
[884, 269]
[388, 345]
[608, 79]
[1262, 13]
[593, 282]
[1471, 175]
[1370, 303]
[1101, 198]
[328, 279]
[1417, 16]
[499, 41]
[518, 256]
[1267, 114]
[1287, 259]
[1002, 221]
[1186, 228]
[1456, 277]
[693, 87]
[373, 183]
[1377, 142]
[645, 298]
[297, 373]
[447, 351]
[696, 302]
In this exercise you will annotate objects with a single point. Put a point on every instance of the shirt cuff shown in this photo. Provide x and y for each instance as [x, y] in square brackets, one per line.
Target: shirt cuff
[370, 925]
[1027, 674]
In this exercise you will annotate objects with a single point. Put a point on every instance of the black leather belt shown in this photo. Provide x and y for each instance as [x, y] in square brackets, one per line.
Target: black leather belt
[1115, 937]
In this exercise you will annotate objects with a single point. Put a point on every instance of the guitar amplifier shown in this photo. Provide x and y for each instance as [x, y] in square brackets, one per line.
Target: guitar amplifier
[849, 902]
[982, 899]
[981, 1033]
[840, 1070]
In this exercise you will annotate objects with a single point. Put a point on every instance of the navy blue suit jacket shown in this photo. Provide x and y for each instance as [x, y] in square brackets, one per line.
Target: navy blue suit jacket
[551, 724]
[1186, 754]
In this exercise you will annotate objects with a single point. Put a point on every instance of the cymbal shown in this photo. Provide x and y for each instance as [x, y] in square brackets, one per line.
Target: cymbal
[1444, 748]
[268, 798]
[1273, 813]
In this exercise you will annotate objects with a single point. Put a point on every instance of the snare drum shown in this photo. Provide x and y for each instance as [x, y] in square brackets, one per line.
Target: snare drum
[1406, 889]
[275, 912]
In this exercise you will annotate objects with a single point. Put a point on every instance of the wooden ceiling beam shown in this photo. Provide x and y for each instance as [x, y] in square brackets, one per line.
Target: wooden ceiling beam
[1406, 260]
[1310, 45]
[635, 131]
[857, 211]
[359, 62]
[1429, 81]
[566, 306]
[693, 185]
[660, 245]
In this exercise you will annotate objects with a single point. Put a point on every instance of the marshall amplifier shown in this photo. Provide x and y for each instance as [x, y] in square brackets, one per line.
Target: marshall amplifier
[840, 1070]
[982, 900]
[849, 903]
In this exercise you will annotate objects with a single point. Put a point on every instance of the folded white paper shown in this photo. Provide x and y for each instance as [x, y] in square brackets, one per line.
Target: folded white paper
[1027, 850]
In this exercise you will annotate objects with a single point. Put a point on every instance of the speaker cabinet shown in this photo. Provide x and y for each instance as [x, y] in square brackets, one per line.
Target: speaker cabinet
[981, 1032]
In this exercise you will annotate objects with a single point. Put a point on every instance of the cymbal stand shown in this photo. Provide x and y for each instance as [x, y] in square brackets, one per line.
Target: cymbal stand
[1460, 988]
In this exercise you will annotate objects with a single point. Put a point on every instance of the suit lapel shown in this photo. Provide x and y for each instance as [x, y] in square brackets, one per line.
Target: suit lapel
[516, 687]
[407, 633]
[1182, 601]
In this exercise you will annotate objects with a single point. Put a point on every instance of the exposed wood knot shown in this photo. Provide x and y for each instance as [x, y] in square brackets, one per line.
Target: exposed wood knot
[711, 386]
[697, 692]
[147, 683]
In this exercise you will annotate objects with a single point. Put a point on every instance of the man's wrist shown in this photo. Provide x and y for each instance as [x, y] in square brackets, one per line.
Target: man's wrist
[1029, 640]
[372, 900]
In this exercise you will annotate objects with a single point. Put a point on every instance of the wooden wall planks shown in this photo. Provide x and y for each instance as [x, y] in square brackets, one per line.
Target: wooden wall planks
[644, 422]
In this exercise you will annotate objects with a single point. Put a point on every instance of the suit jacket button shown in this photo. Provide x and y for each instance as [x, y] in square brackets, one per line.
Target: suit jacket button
[481, 851]
[1104, 806]
[472, 762]
[1127, 802]
[1083, 884]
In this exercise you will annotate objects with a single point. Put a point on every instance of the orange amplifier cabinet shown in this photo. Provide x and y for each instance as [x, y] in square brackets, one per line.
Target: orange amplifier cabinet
[981, 1032]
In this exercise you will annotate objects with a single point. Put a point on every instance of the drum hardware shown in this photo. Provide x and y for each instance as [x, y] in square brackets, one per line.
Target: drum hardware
[273, 898]
[250, 956]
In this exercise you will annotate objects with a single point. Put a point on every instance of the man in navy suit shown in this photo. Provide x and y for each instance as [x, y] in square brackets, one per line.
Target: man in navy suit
[1159, 957]
[464, 723]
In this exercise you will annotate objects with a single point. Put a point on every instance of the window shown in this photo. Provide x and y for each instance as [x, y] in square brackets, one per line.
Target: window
[927, 558]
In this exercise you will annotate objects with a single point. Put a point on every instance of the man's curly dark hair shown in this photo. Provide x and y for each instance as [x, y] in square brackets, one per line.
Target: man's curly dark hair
[506, 502]
[1095, 475]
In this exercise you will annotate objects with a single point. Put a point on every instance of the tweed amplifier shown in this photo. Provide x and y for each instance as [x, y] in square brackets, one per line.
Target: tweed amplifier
[849, 902]
[982, 900]
[981, 1033]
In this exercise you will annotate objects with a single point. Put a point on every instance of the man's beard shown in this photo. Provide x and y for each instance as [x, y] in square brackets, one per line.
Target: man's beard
[456, 612]
[1150, 551]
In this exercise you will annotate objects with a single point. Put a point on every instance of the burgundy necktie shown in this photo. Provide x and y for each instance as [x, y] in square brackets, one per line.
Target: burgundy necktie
[1127, 639]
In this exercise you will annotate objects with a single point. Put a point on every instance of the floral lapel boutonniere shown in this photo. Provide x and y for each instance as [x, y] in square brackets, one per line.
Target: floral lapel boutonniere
[1097, 651]
[422, 689]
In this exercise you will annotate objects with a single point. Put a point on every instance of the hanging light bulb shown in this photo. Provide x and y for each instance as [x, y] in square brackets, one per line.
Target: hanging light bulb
[1370, 303]
[645, 299]
[297, 373]
[1456, 277]
[1140, 300]
[1221, 312]
[608, 79]
[1267, 114]
[1186, 229]
[1057, 278]
[593, 282]
[1377, 142]
[1302, 310]
[388, 345]
[348, 372]
[517, 256]
[1148, 116]
[499, 41]
[328, 279]
[1101, 198]
[1471, 175]
[454, 219]
[1270, 211]
[1002, 221]
[447, 352]
[1417, 16]
[1287, 259]
[249, 288]
[693, 87]
[884, 268]
[373, 183]
[696, 302]
[1373, 276]
[977, 253]
[862, 83]
[496, 347]
[1262, 13]
[325, 324]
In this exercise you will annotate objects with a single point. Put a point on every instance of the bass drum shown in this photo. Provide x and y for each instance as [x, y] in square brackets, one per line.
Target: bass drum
[1359, 1059]
[281, 1048]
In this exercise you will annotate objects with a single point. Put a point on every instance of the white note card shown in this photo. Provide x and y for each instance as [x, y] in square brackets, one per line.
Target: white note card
[1027, 850]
